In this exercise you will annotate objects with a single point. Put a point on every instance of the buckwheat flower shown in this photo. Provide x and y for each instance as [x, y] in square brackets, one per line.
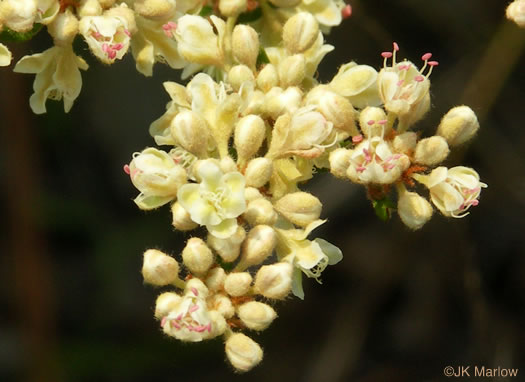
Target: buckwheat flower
[197, 40]
[308, 257]
[5, 55]
[216, 201]
[157, 176]
[108, 36]
[453, 191]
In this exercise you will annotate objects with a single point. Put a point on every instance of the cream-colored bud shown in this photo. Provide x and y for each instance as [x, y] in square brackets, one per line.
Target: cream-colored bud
[458, 126]
[222, 304]
[243, 352]
[280, 102]
[405, 143]
[339, 162]
[300, 32]
[107, 3]
[292, 70]
[195, 287]
[89, 8]
[369, 121]
[238, 283]
[215, 279]
[254, 104]
[285, 3]
[232, 7]
[197, 257]
[165, 303]
[256, 315]
[267, 78]
[122, 11]
[259, 244]
[64, 28]
[227, 164]
[336, 109]
[301, 208]
[245, 45]
[413, 209]
[516, 12]
[260, 211]
[238, 75]
[159, 268]
[218, 323]
[190, 131]
[228, 249]
[158, 10]
[248, 137]
[251, 193]
[181, 218]
[274, 281]
[431, 151]
[258, 172]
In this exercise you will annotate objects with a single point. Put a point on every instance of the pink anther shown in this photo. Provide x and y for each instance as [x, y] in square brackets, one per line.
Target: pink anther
[396, 156]
[400, 82]
[371, 122]
[111, 53]
[396, 47]
[193, 308]
[208, 327]
[126, 169]
[346, 12]
[360, 169]
[386, 54]
[172, 25]
[419, 78]
[163, 321]
[177, 326]
[200, 329]
[179, 317]
[382, 122]
[105, 47]
[127, 32]
[426, 56]
[433, 63]
[403, 67]
[357, 138]
[368, 157]
[118, 46]
[474, 202]
[195, 291]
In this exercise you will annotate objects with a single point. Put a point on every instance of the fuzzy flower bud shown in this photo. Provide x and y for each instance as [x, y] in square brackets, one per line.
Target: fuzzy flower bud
[166, 302]
[238, 283]
[258, 172]
[159, 268]
[292, 70]
[339, 162]
[251, 193]
[189, 130]
[516, 12]
[371, 121]
[274, 281]
[197, 41]
[232, 7]
[229, 248]
[18, 15]
[301, 208]
[215, 279]
[245, 45]
[405, 143]
[267, 78]
[155, 9]
[238, 75]
[259, 244]
[458, 126]
[181, 218]
[197, 257]
[222, 304]
[300, 32]
[256, 315]
[64, 28]
[89, 8]
[431, 151]
[279, 101]
[243, 352]
[413, 209]
[249, 136]
[260, 211]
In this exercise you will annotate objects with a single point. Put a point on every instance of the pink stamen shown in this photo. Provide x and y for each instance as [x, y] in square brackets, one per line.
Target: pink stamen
[386, 54]
[472, 191]
[357, 138]
[389, 166]
[474, 202]
[193, 308]
[396, 156]
[195, 291]
[127, 32]
[177, 326]
[360, 169]
[382, 122]
[118, 46]
[172, 25]
[126, 169]
[419, 78]
[400, 82]
[371, 122]
[403, 67]
[368, 157]
[163, 321]
[112, 54]
[168, 33]
[433, 63]
[105, 47]
[426, 56]
[200, 329]
[209, 327]
[179, 317]
[347, 11]
[396, 47]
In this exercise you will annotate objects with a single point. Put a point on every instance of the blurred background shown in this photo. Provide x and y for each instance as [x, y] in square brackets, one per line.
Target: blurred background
[401, 305]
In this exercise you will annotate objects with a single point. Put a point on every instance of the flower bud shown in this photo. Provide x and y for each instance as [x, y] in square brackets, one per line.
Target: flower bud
[215, 279]
[300, 32]
[339, 162]
[232, 7]
[159, 268]
[18, 15]
[405, 143]
[334, 107]
[259, 244]
[431, 151]
[238, 283]
[197, 41]
[256, 315]
[251, 193]
[414, 210]
[248, 137]
[301, 208]
[158, 10]
[222, 304]
[516, 12]
[458, 126]
[166, 302]
[292, 70]
[197, 257]
[189, 130]
[227, 164]
[243, 352]
[260, 211]
[219, 324]
[258, 172]
[267, 78]
[280, 102]
[238, 75]
[89, 8]
[245, 45]
[358, 83]
[64, 28]
[196, 288]
[368, 120]
[285, 3]
[229, 248]
[274, 281]
[181, 218]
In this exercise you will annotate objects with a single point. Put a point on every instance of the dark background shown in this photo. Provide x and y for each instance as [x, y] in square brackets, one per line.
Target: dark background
[401, 305]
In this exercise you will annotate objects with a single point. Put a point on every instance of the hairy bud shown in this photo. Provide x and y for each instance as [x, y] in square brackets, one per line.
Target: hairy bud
[256, 315]
[197, 257]
[431, 151]
[159, 268]
[458, 126]
[301, 208]
[245, 45]
[300, 32]
[238, 283]
[274, 281]
[243, 352]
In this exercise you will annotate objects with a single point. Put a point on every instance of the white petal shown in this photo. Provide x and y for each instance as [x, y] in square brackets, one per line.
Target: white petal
[5, 55]
[334, 254]
[297, 283]
[224, 229]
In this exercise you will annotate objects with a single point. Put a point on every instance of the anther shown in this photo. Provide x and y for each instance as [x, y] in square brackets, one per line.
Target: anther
[357, 138]
[371, 122]
[396, 47]
[126, 169]
[386, 54]
[346, 12]
[195, 291]
[419, 78]
[382, 122]
[426, 56]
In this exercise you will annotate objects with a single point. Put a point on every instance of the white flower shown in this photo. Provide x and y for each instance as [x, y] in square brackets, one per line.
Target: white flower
[453, 191]
[373, 161]
[216, 201]
[157, 176]
[57, 76]
[18, 15]
[308, 257]
[108, 36]
[5, 55]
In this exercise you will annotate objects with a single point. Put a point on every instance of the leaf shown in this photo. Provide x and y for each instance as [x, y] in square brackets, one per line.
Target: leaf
[383, 208]
[10, 35]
